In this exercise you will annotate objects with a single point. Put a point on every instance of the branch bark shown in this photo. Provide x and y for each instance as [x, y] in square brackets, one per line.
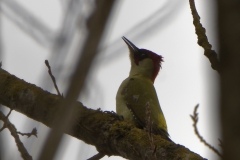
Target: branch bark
[203, 40]
[105, 130]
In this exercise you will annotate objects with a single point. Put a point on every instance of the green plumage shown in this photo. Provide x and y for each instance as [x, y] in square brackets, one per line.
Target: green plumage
[136, 98]
[133, 97]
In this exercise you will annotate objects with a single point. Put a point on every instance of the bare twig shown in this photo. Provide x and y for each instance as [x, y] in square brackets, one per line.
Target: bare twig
[53, 78]
[33, 133]
[195, 120]
[97, 156]
[203, 40]
[3, 127]
[9, 113]
[7, 124]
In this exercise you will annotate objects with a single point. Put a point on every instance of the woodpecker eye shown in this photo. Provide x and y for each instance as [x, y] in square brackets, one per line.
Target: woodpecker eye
[142, 56]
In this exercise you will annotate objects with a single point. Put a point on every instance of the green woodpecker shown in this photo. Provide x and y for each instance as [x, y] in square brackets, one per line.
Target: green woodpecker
[137, 91]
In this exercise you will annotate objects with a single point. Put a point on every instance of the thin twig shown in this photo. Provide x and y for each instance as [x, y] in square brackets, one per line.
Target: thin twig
[97, 156]
[24, 153]
[9, 113]
[53, 78]
[195, 120]
[33, 133]
[202, 38]
[4, 125]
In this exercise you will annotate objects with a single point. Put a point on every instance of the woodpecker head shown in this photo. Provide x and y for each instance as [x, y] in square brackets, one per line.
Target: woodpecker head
[143, 62]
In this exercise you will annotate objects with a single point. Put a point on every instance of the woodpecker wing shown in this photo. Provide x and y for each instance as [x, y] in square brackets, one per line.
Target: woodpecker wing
[141, 99]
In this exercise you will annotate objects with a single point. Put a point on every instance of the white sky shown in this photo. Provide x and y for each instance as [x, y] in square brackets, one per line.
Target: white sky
[185, 80]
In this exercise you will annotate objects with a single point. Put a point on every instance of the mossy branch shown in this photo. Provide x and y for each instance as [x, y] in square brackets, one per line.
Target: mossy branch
[105, 130]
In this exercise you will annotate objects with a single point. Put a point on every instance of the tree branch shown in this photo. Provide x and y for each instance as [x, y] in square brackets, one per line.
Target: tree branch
[7, 124]
[33, 133]
[195, 121]
[203, 40]
[105, 130]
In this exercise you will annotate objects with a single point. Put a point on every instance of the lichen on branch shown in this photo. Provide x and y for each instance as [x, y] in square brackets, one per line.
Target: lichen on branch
[105, 130]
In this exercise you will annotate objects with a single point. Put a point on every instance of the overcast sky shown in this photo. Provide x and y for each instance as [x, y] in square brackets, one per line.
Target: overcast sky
[164, 27]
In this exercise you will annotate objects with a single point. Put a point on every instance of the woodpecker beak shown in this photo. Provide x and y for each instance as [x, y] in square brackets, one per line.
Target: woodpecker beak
[130, 45]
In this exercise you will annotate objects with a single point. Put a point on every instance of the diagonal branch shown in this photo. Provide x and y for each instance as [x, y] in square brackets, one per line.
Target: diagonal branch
[106, 131]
